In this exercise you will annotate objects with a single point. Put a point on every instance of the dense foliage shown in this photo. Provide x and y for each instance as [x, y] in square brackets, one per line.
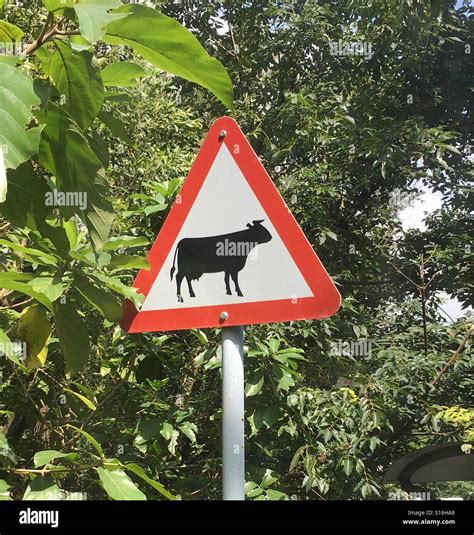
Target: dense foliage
[101, 100]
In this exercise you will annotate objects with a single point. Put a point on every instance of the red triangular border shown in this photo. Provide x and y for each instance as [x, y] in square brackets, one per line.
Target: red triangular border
[327, 299]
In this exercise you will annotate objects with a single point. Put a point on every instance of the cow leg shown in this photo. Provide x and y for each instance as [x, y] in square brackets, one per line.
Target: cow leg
[190, 288]
[179, 279]
[227, 284]
[235, 278]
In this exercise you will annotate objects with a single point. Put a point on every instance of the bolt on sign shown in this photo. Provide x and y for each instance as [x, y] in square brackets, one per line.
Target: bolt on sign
[230, 252]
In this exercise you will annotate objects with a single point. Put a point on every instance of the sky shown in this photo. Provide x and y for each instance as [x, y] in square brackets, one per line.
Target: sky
[413, 217]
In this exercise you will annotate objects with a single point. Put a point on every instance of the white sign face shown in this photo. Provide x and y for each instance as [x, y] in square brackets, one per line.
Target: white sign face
[240, 250]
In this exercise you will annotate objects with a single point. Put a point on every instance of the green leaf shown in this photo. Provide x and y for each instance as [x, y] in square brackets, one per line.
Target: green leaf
[190, 430]
[4, 494]
[26, 195]
[51, 287]
[138, 470]
[273, 344]
[276, 494]
[89, 439]
[296, 457]
[122, 74]
[123, 262]
[119, 486]
[9, 33]
[99, 298]
[87, 402]
[17, 97]
[117, 285]
[94, 15]
[57, 5]
[366, 490]
[42, 458]
[42, 488]
[169, 433]
[147, 430]
[265, 417]
[348, 466]
[169, 46]
[34, 329]
[9, 283]
[65, 153]
[77, 79]
[284, 378]
[124, 242]
[32, 255]
[115, 125]
[7, 455]
[254, 383]
[73, 336]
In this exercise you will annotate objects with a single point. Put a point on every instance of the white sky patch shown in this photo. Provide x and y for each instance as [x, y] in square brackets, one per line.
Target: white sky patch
[413, 216]
[451, 308]
[225, 27]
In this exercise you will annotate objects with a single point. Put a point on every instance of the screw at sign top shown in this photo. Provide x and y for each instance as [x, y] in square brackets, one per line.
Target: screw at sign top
[222, 134]
[223, 316]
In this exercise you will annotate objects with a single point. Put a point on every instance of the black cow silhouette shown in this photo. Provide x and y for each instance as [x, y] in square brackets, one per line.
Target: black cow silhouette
[213, 254]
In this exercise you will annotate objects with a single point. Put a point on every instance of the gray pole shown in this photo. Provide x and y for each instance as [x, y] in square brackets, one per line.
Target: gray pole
[233, 457]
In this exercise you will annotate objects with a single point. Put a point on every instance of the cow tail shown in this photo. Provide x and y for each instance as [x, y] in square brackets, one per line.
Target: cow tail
[173, 269]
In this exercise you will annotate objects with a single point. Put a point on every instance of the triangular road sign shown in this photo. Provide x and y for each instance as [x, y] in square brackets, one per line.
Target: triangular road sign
[229, 252]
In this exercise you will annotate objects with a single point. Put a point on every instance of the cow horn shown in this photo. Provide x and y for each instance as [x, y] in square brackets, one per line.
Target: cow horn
[255, 221]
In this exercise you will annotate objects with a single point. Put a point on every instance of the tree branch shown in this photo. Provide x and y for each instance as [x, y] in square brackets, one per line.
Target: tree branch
[455, 355]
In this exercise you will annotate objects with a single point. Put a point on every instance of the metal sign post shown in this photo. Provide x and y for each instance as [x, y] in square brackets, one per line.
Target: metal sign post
[233, 456]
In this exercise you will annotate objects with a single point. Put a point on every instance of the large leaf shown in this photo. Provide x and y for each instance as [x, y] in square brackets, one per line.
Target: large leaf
[115, 125]
[4, 494]
[57, 5]
[17, 97]
[9, 32]
[119, 486]
[34, 329]
[10, 281]
[65, 153]
[89, 439]
[42, 488]
[115, 284]
[30, 254]
[99, 298]
[169, 46]
[254, 383]
[122, 74]
[73, 336]
[77, 80]
[94, 15]
[26, 195]
[42, 458]
[51, 287]
[138, 470]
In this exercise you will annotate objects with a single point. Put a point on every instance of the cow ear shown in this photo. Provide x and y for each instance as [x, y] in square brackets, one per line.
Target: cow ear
[249, 225]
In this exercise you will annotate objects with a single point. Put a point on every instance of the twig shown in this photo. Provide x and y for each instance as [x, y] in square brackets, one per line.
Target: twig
[17, 304]
[455, 355]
